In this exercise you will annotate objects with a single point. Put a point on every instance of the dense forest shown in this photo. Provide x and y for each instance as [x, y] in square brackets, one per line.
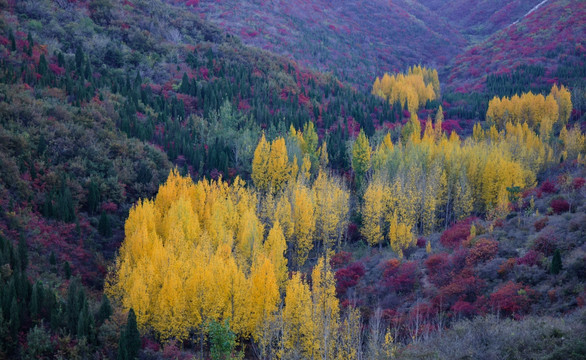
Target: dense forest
[170, 191]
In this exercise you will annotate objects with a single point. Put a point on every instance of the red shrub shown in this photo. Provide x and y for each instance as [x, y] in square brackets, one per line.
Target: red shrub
[457, 233]
[421, 242]
[348, 277]
[506, 267]
[438, 269]
[545, 242]
[400, 278]
[464, 308]
[340, 259]
[548, 187]
[484, 250]
[540, 224]
[578, 183]
[560, 206]
[512, 299]
[530, 259]
[465, 286]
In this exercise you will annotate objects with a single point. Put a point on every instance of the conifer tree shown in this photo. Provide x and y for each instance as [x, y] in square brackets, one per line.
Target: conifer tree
[132, 335]
[556, 262]
[361, 157]
[104, 227]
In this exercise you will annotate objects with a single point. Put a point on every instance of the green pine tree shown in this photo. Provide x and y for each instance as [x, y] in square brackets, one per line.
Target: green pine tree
[133, 342]
[122, 347]
[104, 226]
[67, 270]
[105, 310]
[556, 262]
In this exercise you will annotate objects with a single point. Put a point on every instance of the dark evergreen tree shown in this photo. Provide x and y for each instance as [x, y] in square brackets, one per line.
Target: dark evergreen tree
[22, 252]
[132, 335]
[65, 203]
[12, 40]
[67, 270]
[14, 317]
[105, 310]
[104, 227]
[556, 262]
[35, 302]
[123, 347]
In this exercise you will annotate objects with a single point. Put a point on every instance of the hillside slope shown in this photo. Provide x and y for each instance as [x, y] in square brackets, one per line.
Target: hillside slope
[551, 36]
[353, 39]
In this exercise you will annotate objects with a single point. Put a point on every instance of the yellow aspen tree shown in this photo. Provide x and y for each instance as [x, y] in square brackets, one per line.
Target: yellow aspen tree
[304, 223]
[176, 266]
[306, 168]
[248, 239]
[260, 164]
[477, 133]
[326, 311]
[323, 155]
[361, 157]
[428, 133]
[350, 338]
[331, 209]
[294, 166]
[564, 99]
[284, 215]
[439, 120]
[429, 203]
[279, 170]
[275, 248]
[298, 340]
[264, 298]
[373, 213]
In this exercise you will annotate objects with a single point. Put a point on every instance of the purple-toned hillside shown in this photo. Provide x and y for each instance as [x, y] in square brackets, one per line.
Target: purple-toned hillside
[549, 36]
[357, 40]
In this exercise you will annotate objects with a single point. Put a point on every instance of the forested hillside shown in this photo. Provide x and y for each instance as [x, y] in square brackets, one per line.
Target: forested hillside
[168, 191]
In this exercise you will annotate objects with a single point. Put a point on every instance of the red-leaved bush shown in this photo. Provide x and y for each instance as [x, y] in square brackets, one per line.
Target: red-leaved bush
[348, 277]
[578, 183]
[484, 250]
[532, 258]
[457, 233]
[560, 206]
[540, 224]
[548, 187]
[512, 299]
[340, 259]
[400, 277]
[439, 269]
[465, 286]
[464, 309]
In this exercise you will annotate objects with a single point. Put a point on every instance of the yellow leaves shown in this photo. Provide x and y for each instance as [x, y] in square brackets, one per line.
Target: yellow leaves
[373, 213]
[563, 97]
[539, 112]
[326, 311]
[400, 235]
[187, 258]
[298, 325]
[274, 249]
[361, 156]
[574, 142]
[412, 90]
[304, 222]
[331, 209]
[271, 169]
[260, 164]
[264, 296]
[279, 169]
